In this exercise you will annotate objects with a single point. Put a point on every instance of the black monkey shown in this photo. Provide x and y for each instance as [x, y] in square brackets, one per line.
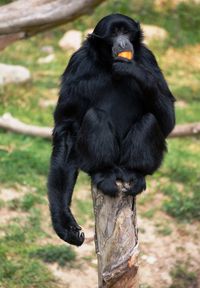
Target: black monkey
[111, 119]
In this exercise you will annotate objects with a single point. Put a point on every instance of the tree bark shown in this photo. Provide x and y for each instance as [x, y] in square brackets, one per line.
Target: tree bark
[25, 18]
[10, 123]
[183, 130]
[116, 240]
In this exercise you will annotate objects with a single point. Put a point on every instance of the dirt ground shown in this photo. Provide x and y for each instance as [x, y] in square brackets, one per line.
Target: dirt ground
[159, 253]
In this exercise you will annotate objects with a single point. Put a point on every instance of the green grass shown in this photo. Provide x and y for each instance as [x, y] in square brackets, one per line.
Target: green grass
[17, 268]
[164, 230]
[188, 114]
[182, 166]
[84, 210]
[3, 2]
[25, 274]
[27, 162]
[24, 160]
[182, 278]
[149, 214]
[181, 21]
[61, 254]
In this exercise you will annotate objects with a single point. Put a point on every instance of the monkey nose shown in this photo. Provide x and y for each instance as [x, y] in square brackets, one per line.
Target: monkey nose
[122, 44]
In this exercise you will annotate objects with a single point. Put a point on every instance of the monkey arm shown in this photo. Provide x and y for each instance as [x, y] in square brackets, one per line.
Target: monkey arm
[144, 146]
[156, 94]
[62, 177]
[142, 153]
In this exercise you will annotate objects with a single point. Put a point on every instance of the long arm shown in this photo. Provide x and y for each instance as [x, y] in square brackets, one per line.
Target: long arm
[157, 96]
[64, 165]
[147, 136]
[62, 178]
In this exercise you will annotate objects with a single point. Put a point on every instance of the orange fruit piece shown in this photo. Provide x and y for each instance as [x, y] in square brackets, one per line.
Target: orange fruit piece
[126, 54]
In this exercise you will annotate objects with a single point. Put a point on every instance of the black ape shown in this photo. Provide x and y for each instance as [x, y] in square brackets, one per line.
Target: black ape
[111, 120]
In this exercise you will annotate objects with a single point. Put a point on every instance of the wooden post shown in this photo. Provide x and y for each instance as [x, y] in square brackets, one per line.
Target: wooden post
[116, 240]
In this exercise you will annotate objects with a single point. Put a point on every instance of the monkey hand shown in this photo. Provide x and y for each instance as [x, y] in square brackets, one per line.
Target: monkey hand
[122, 68]
[67, 228]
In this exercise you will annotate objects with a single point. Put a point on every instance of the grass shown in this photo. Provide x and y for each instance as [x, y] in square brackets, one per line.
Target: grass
[182, 166]
[61, 254]
[17, 268]
[84, 210]
[25, 274]
[182, 278]
[24, 160]
[181, 21]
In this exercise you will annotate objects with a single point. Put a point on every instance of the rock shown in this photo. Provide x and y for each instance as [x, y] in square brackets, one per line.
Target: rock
[152, 32]
[47, 59]
[150, 259]
[71, 40]
[47, 102]
[86, 32]
[48, 49]
[13, 74]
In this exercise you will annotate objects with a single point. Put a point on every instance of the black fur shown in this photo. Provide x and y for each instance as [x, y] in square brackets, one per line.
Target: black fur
[111, 120]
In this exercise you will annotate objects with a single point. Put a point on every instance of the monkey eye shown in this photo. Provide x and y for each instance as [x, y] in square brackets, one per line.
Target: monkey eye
[115, 31]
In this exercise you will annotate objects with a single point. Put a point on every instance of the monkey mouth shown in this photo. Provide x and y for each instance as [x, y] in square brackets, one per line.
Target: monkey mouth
[126, 54]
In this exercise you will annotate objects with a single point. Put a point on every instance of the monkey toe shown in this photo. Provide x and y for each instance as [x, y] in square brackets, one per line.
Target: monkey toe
[106, 182]
[125, 175]
[74, 236]
[137, 186]
[70, 232]
[108, 188]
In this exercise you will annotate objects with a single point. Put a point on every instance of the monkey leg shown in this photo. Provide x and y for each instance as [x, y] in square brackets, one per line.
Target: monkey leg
[142, 152]
[98, 150]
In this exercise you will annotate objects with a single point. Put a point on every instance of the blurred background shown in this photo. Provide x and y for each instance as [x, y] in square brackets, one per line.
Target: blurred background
[31, 255]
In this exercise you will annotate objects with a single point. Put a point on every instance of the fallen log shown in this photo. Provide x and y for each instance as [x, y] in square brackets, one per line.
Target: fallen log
[8, 122]
[12, 124]
[21, 19]
[183, 130]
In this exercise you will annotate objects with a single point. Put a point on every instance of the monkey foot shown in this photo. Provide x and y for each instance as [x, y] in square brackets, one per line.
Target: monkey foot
[70, 234]
[74, 236]
[67, 228]
[106, 182]
[130, 182]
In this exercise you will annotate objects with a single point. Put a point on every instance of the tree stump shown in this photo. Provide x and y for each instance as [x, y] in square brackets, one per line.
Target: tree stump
[116, 240]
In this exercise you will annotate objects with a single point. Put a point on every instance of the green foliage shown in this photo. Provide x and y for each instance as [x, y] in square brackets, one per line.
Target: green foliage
[61, 254]
[182, 278]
